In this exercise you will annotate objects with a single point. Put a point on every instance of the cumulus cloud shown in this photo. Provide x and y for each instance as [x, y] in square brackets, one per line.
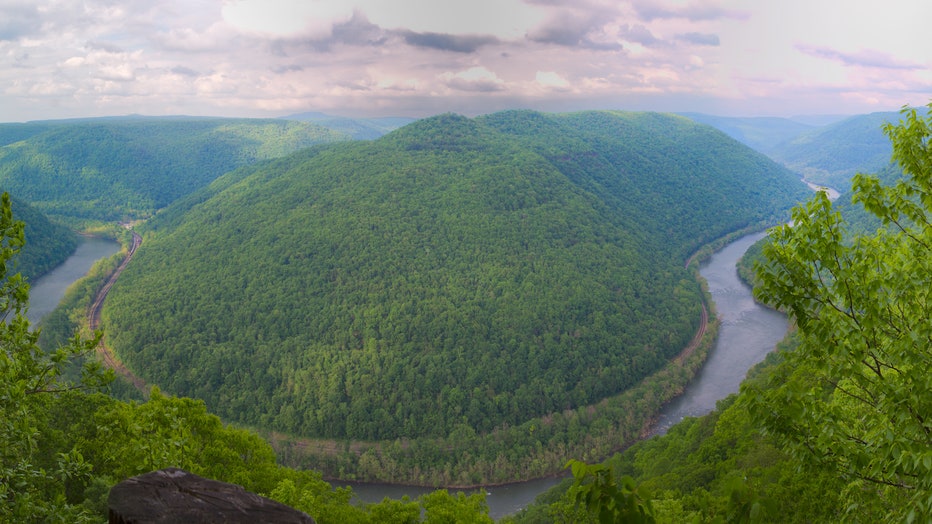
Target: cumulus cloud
[552, 80]
[475, 79]
[569, 29]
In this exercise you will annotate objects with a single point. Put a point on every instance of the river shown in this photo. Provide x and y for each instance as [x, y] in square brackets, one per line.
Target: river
[46, 292]
[747, 333]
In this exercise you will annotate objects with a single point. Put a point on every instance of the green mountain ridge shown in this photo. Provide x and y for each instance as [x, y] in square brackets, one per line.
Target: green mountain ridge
[454, 273]
[125, 168]
[832, 154]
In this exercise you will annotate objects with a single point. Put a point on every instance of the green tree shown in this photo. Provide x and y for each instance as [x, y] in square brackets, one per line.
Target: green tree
[31, 481]
[607, 500]
[856, 396]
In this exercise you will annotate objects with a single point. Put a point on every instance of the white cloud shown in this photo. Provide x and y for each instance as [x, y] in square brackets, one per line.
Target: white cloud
[551, 79]
[475, 79]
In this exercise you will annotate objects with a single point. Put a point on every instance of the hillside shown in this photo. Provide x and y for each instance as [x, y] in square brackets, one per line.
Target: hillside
[453, 276]
[47, 244]
[126, 168]
[832, 154]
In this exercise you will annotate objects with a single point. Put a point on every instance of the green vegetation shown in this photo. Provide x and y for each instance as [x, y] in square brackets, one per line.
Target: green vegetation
[63, 445]
[833, 427]
[832, 154]
[48, 244]
[458, 284]
[127, 168]
[855, 397]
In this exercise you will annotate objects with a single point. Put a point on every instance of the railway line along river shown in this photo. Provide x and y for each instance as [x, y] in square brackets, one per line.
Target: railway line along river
[747, 333]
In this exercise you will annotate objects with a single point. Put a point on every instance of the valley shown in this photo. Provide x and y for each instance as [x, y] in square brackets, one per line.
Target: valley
[522, 242]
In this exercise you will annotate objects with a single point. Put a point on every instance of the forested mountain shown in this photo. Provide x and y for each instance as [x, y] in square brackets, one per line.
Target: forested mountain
[453, 276]
[47, 244]
[358, 128]
[832, 154]
[126, 168]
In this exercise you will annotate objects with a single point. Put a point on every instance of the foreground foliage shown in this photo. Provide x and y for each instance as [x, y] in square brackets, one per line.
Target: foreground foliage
[856, 397]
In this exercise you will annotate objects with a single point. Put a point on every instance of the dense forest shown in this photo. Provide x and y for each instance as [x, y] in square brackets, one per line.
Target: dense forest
[48, 243]
[448, 283]
[125, 169]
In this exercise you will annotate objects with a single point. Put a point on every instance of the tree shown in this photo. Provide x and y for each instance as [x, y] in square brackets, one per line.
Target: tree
[606, 500]
[856, 396]
[32, 482]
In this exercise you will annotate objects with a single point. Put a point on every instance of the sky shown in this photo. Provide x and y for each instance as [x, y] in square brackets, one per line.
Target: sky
[415, 58]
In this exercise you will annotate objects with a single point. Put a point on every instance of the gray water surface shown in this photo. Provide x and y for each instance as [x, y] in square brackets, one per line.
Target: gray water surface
[748, 332]
[46, 292]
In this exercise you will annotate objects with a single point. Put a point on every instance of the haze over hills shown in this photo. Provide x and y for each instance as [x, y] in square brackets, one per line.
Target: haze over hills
[760, 133]
[453, 273]
[832, 154]
[358, 128]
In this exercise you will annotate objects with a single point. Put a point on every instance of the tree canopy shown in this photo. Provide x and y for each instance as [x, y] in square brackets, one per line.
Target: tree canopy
[855, 396]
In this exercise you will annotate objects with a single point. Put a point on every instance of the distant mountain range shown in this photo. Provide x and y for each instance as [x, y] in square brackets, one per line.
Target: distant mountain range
[358, 128]
[826, 150]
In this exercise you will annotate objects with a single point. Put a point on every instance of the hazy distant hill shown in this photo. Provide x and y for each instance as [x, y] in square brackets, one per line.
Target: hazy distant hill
[455, 273]
[832, 154]
[761, 133]
[128, 167]
[358, 128]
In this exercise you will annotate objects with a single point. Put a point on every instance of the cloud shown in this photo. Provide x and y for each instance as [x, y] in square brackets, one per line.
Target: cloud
[863, 58]
[698, 38]
[185, 71]
[19, 19]
[358, 30]
[447, 42]
[571, 30]
[695, 12]
[638, 34]
[475, 79]
[551, 80]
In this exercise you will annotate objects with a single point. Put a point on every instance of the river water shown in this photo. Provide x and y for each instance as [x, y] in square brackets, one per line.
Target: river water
[46, 292]
[748, 332]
